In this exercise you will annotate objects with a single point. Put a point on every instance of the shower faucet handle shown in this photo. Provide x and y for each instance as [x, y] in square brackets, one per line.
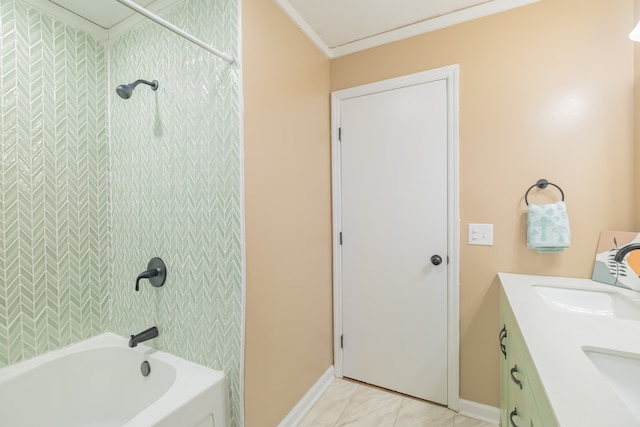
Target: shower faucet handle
[156, 273]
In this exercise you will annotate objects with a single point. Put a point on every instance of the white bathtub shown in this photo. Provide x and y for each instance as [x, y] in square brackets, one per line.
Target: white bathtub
[98, 383]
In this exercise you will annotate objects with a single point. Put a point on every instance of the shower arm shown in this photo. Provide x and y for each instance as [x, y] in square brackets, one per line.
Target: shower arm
[153, 84]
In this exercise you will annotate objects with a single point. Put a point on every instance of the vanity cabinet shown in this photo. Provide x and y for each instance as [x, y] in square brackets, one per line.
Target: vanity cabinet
[523, 402]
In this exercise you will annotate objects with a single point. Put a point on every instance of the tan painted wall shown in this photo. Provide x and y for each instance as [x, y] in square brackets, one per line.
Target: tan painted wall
[546, 91]
[288, 214]
[636, 114]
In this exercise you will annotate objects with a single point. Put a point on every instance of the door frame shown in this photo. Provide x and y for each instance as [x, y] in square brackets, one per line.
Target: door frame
[451, 75]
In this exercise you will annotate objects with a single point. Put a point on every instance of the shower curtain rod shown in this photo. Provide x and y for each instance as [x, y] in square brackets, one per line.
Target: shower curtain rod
[169, 26]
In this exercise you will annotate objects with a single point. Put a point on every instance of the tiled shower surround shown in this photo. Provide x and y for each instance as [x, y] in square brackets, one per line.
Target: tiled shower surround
[93, 186]
[176, 187]
[54, 184]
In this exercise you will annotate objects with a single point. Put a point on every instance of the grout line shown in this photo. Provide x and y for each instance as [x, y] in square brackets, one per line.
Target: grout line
[355, 390]
[344, 403]
[402, 401]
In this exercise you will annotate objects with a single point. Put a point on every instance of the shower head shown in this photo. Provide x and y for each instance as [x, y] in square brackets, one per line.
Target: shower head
[125, 91]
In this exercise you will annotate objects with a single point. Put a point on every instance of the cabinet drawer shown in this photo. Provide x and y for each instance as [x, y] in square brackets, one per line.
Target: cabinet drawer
[523, 400]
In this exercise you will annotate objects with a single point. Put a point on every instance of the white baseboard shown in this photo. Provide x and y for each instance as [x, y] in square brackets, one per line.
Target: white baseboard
[308, 400]
[479, 411]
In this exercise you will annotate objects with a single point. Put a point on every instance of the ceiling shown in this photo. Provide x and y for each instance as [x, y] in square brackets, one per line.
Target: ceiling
[105, 14]
[340, 27]
[336, 27]
[102, 18]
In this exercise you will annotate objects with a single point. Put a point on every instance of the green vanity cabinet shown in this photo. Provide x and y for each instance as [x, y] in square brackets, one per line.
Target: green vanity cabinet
[523, 402]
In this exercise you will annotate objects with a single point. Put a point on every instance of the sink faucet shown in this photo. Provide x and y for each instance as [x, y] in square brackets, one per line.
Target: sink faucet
[623, 251]
[143, 336]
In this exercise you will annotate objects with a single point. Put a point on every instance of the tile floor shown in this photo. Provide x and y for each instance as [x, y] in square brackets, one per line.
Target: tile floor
[348, 403]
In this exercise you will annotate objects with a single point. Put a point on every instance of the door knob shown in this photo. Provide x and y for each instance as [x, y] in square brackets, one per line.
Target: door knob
[436, 260]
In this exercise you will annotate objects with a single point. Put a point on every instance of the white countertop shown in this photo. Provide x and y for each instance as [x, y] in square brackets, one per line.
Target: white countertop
[579, 395]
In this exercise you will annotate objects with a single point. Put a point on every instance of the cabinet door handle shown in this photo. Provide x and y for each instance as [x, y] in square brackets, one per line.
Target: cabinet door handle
[503, 335]
[513, 413]
[513, 378]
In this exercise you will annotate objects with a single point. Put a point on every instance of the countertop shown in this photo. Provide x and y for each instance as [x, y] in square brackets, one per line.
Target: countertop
[579, 395]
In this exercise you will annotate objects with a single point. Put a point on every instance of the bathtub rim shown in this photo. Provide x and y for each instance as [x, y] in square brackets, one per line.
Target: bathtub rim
[192, 380]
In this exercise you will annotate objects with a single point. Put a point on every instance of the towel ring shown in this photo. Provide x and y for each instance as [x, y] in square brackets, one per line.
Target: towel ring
[542, 183]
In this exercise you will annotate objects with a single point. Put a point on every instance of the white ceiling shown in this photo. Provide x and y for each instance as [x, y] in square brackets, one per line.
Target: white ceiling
[105, 14]
[337, 27]
[340, 27]
[103, 18]
[339, 22]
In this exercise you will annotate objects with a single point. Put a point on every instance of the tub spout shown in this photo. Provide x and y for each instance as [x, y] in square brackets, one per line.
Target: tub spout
[143, 336]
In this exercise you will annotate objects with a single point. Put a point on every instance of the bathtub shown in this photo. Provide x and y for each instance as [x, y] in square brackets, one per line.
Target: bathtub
[98, 383]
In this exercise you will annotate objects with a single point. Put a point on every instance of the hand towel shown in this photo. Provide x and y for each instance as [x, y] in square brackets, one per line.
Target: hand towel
[548, 228]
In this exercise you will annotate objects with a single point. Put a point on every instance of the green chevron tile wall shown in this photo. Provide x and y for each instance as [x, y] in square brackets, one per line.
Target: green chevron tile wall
[176, 187]
[54, 184]
[87, 198]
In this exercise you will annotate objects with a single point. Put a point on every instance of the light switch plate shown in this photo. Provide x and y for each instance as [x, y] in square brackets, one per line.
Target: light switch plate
[481, 234]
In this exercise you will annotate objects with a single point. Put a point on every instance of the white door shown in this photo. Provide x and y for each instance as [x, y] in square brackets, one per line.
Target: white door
[394, 230]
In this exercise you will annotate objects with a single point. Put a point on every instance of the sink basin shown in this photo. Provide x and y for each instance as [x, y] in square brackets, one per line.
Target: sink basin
[600, 303]
[623, 372]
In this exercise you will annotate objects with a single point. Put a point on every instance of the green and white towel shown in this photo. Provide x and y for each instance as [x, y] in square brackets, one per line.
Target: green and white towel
[548, 228]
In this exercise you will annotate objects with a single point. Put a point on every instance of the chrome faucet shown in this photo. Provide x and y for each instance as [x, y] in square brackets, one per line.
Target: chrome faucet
[143, 336]
[623, 251]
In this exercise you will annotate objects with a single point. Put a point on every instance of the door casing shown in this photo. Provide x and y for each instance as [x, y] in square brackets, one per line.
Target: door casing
[450, 74]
